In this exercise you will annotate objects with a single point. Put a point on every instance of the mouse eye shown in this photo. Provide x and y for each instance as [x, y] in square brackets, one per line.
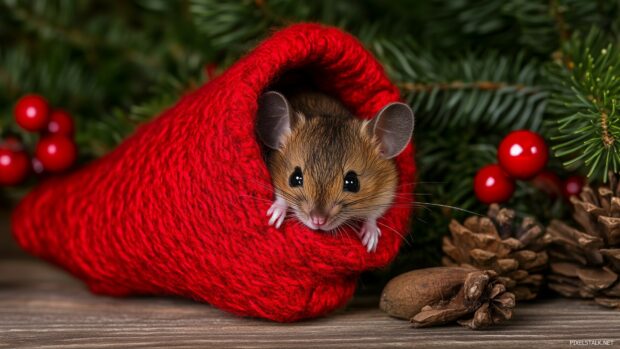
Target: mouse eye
[351, 183]
[296, 179]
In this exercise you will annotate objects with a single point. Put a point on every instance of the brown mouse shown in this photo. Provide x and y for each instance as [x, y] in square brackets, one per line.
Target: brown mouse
[329, 167]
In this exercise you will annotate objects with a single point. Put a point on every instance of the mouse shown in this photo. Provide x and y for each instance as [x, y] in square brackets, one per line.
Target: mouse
[330, 168]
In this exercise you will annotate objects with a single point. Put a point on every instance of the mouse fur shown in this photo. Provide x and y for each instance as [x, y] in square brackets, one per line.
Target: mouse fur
[328, 146]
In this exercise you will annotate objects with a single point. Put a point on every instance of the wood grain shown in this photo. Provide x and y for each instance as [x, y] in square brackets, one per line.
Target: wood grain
[43, 307]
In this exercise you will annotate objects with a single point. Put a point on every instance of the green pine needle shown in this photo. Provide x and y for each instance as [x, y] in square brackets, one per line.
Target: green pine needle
[585, 87]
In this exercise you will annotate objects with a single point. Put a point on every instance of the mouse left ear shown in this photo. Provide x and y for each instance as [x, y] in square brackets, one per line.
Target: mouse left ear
[273, 119]
[393, 127]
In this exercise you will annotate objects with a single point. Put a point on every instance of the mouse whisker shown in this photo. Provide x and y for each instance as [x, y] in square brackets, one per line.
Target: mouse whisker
[346, 223]
[411, 204]
[339, 232]
[298, 223]
[422, 182]
[286, 195]
[362, 220]
[255, 180]
[255, 198]
[262, 184]
[289, 197]
[402, 236]
[365, 198]
[270, 187]
[405, 194]
[445, 206]
[420, 220]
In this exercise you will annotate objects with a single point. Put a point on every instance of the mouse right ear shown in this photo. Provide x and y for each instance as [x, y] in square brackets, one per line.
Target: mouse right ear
[393, 127]
[274, 119]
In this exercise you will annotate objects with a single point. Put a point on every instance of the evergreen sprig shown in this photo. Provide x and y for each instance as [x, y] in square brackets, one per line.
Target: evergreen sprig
[477, 88]
[234, 27]
[538, 26]
[586, 100]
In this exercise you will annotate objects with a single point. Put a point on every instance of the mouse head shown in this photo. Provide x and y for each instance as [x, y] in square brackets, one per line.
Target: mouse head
[333, 170]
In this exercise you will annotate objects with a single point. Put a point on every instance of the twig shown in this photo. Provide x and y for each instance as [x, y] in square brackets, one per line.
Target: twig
[84, 41]
[458, 85]
[608, 139]
[557, 12]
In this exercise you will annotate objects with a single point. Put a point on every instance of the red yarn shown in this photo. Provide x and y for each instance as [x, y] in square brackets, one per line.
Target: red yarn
[180, 207]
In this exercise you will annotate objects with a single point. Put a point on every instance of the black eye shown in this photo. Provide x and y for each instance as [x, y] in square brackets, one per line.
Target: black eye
[351, 183]
[297, 178]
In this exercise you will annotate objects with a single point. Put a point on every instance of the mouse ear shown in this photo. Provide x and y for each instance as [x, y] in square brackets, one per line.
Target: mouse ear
[273, 119]
[393, 127]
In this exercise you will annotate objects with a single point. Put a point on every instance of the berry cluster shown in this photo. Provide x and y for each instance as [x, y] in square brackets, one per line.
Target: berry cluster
[550, 183]
[522, 155]
[55, 150]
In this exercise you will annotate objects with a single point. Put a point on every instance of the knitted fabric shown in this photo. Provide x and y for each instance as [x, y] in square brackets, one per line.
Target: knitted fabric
[179, 208]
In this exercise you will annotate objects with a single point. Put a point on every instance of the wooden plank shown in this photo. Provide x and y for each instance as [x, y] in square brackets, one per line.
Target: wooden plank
[43, 307]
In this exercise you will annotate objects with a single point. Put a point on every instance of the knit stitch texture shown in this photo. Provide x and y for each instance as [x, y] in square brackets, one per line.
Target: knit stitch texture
[179, 208]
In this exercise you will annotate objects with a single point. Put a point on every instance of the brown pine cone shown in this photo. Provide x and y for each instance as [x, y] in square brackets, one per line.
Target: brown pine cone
[436, 296]
[585, 262]
[515, 251]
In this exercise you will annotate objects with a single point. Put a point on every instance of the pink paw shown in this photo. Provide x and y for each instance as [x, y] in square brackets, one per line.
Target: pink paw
[369, 234]
[277, 211]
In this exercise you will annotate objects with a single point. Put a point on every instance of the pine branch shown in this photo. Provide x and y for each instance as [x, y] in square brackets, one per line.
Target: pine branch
[46, 20]
[557, 13]
[234, 27]
[484, 89]
[410, 87]
[586, 104]
[64, 82]
[539, 26]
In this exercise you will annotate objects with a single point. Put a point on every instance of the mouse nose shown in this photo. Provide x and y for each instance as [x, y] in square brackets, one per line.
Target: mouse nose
[317, 218]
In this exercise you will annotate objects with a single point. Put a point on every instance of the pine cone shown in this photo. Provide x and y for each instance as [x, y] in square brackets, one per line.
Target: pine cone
[516, 252]
[435, 296]
[585, 262]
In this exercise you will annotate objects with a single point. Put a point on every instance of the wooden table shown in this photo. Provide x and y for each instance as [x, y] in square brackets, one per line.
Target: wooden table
[43, 307]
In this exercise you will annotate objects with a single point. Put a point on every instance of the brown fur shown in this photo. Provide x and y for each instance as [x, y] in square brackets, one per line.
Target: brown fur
[326, 142]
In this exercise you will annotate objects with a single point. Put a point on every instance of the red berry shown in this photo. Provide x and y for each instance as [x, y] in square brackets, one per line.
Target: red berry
[60, 123]
[522, 154]
[573, 186]
[56, 153]
[492, 185]
[14, 166]
[548, 182]
[32, 112]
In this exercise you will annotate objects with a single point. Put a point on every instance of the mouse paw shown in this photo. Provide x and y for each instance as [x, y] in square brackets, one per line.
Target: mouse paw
[369, 234]
[277, 212]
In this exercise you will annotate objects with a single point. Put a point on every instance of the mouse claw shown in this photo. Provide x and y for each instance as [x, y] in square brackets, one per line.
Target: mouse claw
[375, 241]
[280, 220]
[369, 235]
[277, 212]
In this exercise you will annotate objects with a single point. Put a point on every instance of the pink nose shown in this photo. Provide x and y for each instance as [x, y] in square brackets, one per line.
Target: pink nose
[317, 220]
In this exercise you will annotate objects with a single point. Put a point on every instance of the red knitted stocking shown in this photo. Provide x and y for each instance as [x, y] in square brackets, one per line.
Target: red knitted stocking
[179, 207]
